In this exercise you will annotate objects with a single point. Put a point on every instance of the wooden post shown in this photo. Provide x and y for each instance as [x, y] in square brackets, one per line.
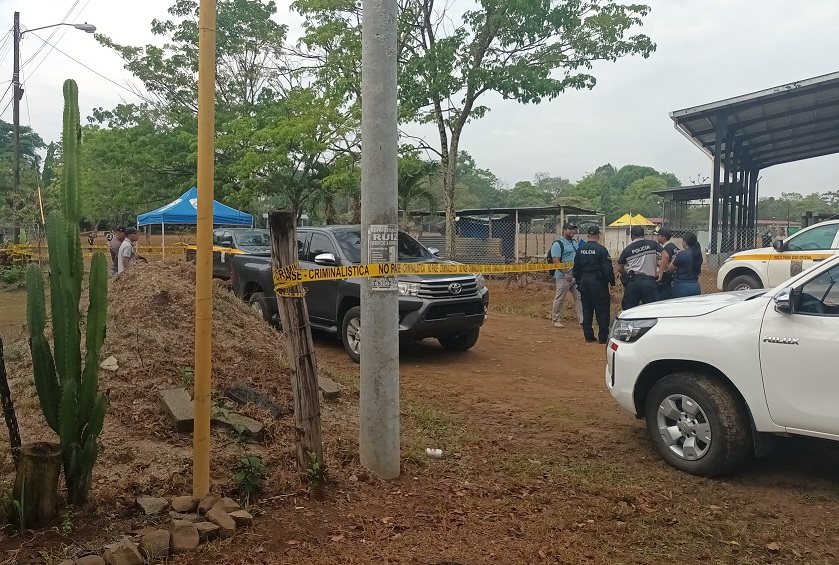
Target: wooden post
[294, 317]
[36, 484]
[9, 408]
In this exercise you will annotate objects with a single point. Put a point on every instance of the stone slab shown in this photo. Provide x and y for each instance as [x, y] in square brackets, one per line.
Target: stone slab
[329, 388]
[178, 405]
[233, 421]
[246, 394]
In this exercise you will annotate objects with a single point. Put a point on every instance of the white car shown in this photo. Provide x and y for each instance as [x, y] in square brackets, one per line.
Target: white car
[715, 374]
[771, 266]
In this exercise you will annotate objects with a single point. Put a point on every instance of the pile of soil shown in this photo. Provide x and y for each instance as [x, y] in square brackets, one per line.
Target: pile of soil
[151, 332]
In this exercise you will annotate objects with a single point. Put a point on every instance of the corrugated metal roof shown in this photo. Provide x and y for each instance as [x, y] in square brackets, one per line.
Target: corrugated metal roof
[787, 123]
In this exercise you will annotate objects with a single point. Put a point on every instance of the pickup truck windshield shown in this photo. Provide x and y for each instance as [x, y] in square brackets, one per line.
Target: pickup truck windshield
[408, 248]
[255, 238]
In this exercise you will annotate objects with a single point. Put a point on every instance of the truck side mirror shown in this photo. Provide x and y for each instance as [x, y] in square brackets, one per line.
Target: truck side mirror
[783, 301]
[779, 245]
[434, 251]
[326, 259]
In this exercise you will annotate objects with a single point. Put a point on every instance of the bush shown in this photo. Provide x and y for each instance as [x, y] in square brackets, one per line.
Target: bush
[14, 275]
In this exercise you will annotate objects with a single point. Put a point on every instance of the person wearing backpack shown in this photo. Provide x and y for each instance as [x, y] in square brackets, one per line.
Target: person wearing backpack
[564, 250]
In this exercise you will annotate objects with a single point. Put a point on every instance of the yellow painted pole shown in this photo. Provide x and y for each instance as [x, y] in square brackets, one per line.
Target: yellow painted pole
[204, 251]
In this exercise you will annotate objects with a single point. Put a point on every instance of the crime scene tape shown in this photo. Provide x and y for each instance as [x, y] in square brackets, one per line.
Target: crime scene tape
[227, 250]
[287, 277]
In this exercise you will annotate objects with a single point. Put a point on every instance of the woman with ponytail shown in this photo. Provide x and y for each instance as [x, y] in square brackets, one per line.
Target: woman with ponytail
[686, 266]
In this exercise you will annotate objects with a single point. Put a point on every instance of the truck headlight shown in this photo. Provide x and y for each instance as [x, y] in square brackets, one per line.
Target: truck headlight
[480, 281]
[409, 289]
[631, 330]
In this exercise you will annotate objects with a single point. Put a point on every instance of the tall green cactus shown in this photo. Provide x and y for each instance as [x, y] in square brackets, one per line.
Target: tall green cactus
[67, 389]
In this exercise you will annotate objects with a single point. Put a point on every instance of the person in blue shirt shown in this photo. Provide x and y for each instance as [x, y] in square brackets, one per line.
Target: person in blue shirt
[686, 267]
[564, 250]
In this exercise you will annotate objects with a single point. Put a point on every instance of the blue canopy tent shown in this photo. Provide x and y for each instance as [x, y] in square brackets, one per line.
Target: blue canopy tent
[184, 210]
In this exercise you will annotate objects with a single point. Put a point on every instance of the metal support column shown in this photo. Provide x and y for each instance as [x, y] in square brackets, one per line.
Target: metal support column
[714, 219]
[725, 192]
[753, 203]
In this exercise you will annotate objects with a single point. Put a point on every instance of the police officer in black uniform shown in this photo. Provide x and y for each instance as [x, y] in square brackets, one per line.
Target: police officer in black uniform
[638, 265]
[594, 273]
[665, 282]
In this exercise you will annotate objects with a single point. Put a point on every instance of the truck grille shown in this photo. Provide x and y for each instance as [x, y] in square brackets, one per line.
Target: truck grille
[443, 288]
[443, 311]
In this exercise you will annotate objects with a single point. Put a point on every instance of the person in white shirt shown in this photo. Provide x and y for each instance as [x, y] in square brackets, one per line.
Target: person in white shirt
[127, 256]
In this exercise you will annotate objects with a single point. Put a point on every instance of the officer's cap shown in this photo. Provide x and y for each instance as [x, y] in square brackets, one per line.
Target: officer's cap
[637, 231]
[666, 232]
[593, 230]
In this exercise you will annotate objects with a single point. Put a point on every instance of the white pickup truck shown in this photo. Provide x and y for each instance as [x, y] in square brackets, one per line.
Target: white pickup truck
[770, 266]
[715, 374]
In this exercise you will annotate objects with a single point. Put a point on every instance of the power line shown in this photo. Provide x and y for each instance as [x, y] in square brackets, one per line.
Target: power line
[85, 66]
[5, 47]
[54, 31]
[63, 33]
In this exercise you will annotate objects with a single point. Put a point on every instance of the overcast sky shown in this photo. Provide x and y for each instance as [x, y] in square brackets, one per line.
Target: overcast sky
[707, 50]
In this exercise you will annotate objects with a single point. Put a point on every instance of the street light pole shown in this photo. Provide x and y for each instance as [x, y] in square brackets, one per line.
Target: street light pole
[17, 94]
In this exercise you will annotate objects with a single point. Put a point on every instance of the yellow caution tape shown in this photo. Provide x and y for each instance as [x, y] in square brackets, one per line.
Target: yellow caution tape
[286, 277]
[783, 257]
[227, 250]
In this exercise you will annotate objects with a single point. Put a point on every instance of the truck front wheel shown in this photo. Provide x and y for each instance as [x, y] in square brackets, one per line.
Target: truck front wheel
[351, 333]
[743, 282]
[259, 306]
[698, 424]
[460, 341]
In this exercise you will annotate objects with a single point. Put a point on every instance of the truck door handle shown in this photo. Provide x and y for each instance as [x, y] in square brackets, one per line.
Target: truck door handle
[819, 259]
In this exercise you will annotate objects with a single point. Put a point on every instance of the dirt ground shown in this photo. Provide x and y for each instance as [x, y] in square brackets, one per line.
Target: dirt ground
[539, 466]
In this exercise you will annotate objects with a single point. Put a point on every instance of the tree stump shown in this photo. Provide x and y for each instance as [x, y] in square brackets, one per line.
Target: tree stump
[36, 484]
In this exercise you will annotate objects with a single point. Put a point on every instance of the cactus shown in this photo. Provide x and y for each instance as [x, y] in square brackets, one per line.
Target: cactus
[68, 390]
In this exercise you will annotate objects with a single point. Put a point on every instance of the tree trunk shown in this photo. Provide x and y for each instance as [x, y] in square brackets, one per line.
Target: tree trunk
[36, 484]
[9, 408]
[298, 337]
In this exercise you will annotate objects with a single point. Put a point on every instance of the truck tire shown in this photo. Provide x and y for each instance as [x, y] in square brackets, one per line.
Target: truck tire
[351, 333]
[460, 341]
[258, 304]
[698, 424]
[743, 282]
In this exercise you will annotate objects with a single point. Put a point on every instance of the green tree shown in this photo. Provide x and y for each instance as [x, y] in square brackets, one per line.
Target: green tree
[415, 176]
[639, 198]
[249, 75]
[20, 208]
[526, 51]
[525, 193]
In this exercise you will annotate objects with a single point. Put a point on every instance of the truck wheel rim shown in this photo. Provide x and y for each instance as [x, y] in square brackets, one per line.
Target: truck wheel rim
[257, 307]
[743, 286]
[684, 427]
[354, 335]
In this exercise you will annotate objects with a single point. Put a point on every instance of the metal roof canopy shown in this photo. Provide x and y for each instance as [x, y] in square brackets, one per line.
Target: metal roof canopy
[524, 213]
[748, 133]
[787, 123]
[685, 193]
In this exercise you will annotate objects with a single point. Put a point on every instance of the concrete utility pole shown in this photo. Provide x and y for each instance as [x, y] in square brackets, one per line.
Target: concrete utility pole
[379, 402]
[17, 93]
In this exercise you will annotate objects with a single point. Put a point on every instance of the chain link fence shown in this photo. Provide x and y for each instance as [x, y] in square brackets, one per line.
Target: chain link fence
[481, 241]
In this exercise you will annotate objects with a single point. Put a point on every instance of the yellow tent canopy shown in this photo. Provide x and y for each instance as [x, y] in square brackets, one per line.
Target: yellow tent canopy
[629, 220]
